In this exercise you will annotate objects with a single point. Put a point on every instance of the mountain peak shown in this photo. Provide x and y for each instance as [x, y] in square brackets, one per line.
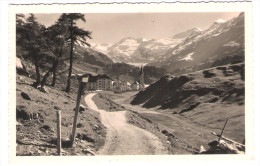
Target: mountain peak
[220, 21]
[187, 33]
[197, 29]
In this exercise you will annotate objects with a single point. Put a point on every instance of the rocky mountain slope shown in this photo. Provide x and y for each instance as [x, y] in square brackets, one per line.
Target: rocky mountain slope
[191, 50]
[141, 50]
[91, 56]
[123, 50]
[205, 97]
[36, 131]
[222, 43]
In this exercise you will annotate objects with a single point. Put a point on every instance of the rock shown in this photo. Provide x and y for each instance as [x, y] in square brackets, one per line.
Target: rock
[221, 147]
[82, 108]
[56, 108]
[174, 112]
[213, 143]
[42, 149]
[44, 89]
[85, 137]
[88, 152]
[47, 128]
[20, 68]
[229, 148]
[18, 124]
[95, 127]
[22, 113]
[221, 68]
[208, 74]
[25, 96]
[202, 149]
[35, 115]
[79, 125]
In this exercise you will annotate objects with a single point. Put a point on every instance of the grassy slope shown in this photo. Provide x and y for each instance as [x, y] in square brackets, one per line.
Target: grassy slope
[116, 102]
[32, 139]
[206, 101]
[192, 125]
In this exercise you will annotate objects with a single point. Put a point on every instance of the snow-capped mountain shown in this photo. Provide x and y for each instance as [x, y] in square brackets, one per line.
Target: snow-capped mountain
[103, 48]
[193, 49]
[141, 50]
[152, 50]
[222, 43]
[123, 50]
[190, 32]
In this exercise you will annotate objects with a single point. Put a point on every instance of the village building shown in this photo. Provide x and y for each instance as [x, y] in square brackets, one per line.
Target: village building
[135, 86]
[121, 86]
[104, 82]
[126, 86]
[99, 82]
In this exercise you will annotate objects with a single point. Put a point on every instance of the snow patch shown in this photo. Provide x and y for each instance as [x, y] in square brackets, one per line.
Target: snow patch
[220, 21]
[187, 57]
[232, 44]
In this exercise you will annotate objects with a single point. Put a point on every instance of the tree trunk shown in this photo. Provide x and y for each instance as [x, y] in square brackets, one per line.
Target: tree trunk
[71, 57]
[54, 76]
[45, 77]
[55, 66]
[37, 70]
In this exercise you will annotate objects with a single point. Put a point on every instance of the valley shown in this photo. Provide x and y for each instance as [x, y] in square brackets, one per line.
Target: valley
[194, 49]
[138, 96]
[190, 125]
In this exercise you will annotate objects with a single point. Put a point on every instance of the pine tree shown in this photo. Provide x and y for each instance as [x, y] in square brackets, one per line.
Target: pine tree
[35, 45]
[56, 38]
[76, 35]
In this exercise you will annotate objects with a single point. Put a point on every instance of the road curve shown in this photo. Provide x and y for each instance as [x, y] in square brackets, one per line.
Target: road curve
[123, 138]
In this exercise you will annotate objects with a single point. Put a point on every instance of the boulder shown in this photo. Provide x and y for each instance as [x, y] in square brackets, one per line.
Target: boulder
[22, 113]
[88, 152]
[82, 108]
[222, 147]
[79, 125]
[208, 74]
[47, 128]
[85, 137]
[56, 108]
[20, 68]
[25, 96]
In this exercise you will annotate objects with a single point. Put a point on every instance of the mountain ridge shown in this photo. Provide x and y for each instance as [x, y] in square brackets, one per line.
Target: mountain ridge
[159, 52]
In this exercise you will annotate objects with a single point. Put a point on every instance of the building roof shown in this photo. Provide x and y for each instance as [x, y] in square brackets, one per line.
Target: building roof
[93, 78]
[104, 76]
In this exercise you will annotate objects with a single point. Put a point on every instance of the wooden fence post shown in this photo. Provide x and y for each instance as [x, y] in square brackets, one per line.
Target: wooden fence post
[76, 112]
[59, 132]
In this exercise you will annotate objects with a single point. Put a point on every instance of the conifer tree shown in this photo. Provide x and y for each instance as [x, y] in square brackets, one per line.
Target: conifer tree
[76, 35]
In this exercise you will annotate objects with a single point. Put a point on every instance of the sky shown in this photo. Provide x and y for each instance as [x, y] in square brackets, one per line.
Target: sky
[112, 27]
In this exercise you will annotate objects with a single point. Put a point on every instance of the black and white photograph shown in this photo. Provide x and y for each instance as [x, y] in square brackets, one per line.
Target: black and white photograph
[144, 83]
[115, 83]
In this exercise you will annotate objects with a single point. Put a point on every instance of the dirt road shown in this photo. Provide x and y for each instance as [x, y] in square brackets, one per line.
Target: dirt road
[123, 138]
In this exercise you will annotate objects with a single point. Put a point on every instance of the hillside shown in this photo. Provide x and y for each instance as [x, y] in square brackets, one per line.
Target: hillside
[140, 50]
[88, 60]
[91, 56]
[217, 92]
[36, 131]
[130, 73]
[222, 43]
